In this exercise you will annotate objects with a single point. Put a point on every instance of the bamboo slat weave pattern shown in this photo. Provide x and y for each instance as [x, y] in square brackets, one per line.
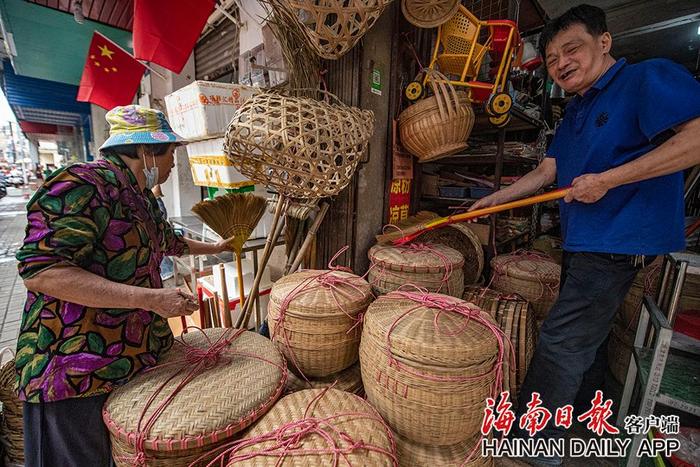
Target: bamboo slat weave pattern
[314, 319]
[303, 147]
[412, 454]
[427, 371]
[461, 238]
[434, 267]
[429, 13]
[12, 429]
[324, 423]
[348, 380]
[229, 395]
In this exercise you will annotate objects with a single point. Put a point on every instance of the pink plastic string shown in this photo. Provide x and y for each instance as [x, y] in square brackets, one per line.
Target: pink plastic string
[287, 440]
[197, 360]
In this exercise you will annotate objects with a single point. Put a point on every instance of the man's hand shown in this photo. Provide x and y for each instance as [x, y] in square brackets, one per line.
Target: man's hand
[170, 303]
[587, 188]
[488, 201]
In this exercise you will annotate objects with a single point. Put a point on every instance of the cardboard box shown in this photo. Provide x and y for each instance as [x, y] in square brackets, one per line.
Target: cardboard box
[211, 168]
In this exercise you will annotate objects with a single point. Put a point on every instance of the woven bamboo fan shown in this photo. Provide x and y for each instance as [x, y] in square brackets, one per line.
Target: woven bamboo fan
[429, 13]
[318, 330]
[12, 437]
[428, 375]
[333, 27]
[439, 125]
[533, 276]
[339, 420]
[463, 239]
[348, 380]
[303, 147]
[434, 267]
[225, 398]
[412, 454]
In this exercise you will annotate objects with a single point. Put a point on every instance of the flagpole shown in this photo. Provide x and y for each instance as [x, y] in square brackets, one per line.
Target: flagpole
[161, 75]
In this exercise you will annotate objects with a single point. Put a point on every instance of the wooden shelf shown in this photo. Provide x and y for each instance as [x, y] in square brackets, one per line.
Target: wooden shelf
[513, 239]
[519, 121]
[470, 159]
[447, 200]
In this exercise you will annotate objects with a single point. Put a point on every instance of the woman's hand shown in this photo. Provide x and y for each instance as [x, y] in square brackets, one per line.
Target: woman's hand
[224, 245]
[170, 303]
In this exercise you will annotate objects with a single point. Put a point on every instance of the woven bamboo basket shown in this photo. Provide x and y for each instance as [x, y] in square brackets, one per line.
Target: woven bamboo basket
[515, 318]
[439, 125]
[333, 27]
[427, 375]
[319, 333]
[344, 418]
[463, 239]
[690, 298]
[533, 276]
[429, 13]
[620, 350]
[303, 147]
[647, 282]
[550, 246]
[434, 267]
[413, 454]
[348, 380]
[209, 411]
[12, 428]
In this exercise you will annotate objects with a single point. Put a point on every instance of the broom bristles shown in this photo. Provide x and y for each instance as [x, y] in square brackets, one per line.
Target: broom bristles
[406, 227]
[232, 215]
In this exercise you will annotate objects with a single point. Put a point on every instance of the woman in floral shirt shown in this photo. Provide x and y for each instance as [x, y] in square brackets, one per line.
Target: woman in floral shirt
[96, 312]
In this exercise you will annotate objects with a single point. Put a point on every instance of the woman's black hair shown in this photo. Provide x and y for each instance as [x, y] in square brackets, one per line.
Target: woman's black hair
[131, 150]
[592, 17]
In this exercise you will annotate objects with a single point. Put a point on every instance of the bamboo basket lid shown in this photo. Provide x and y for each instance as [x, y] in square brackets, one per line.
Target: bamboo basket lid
[348, 380]
[429, 13]
[461, 238]
[411, 259]
[212, 407]
[528, 266]
[322, 302]
[412, 454]
[344, 417]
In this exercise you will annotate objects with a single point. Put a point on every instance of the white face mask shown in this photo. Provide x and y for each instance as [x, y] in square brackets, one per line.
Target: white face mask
[151, 174]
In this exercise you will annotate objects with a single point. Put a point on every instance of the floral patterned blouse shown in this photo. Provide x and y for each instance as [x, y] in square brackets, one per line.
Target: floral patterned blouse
[93, 216]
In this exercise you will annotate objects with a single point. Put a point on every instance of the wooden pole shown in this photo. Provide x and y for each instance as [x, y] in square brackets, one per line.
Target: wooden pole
[224, 296]
[309, 237]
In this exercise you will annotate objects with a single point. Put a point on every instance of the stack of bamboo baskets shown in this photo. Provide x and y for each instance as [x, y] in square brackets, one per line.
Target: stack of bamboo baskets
[433, 267]
[428, 371]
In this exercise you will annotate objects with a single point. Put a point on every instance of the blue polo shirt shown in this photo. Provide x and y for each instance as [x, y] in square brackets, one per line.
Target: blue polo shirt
[622, 117]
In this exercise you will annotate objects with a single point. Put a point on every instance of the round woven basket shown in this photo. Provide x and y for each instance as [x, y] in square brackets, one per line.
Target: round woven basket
[439, 125]
[348, 423]
[645, 283]
[319, 331]
[533, 276]
[413, 454]
[303, 147]
[429, 13]
[348, 380]
[333, 27]
[12, 436]
[426, 370]
[224, 399]
[619, 351]
[517, 322]
[460, 237]
[550, 246]
[434, 267]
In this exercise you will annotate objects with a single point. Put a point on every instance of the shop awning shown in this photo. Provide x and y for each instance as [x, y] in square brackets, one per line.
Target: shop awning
[44, 128]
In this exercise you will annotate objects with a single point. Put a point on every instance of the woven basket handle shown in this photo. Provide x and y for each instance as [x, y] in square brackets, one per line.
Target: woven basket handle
[445, 93]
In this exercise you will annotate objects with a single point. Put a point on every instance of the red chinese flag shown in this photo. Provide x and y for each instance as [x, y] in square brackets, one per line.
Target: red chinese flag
[111, 76]
[165, 31]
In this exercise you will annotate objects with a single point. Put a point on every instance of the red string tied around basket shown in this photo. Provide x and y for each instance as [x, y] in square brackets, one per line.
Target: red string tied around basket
[547, 289]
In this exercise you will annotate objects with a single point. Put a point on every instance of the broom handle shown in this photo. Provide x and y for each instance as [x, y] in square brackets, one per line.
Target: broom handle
[443, 221]
[309, 237]
[224, 297]
[258, 274]
[241, 290]
[295, 247]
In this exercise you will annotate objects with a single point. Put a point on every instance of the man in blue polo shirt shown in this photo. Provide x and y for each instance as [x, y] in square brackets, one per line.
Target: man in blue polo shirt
[627, 135]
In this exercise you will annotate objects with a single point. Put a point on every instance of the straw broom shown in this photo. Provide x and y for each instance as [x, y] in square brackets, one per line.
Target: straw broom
[234, 217]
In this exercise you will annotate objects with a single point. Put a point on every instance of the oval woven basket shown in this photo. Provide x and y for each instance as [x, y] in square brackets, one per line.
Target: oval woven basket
[348, 380]
[439, 125]
[348, 423]
[12, 436]
[319, 332]
[229, 395]
[427, 375]
[533, 276]
[303, 147]
[333, 27]
[412, 454]
[434, 267]
[460, 237]
[429, 13]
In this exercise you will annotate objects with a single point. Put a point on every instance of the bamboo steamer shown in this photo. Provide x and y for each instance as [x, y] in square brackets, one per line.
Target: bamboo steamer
[348, 380]
[463, 239]
[439, 125]
[429, 383]
[412, 454]
[208, 411]
[434, 267]
[319, 332]
[345, 418]
[12, 425]
[533, 276]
